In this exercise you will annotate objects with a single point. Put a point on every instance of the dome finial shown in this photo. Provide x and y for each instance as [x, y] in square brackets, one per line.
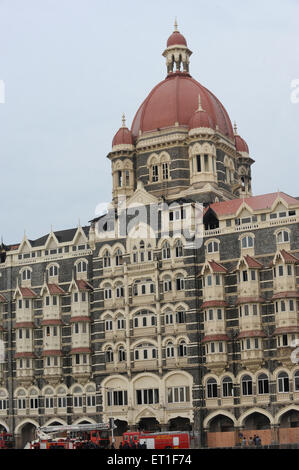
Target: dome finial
[176, 25]
[235, 128]
[123, 118]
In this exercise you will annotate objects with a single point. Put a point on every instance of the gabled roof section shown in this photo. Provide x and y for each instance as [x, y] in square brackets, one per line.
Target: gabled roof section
[52, 289]
[25, 292]
[80, 285]
[250, 262]
[286, 257]
[253, 203]
[214, 267]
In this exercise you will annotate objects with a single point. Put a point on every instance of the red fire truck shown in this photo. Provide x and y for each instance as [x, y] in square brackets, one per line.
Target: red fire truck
[80, 436]
[157, 440]
[6, 440]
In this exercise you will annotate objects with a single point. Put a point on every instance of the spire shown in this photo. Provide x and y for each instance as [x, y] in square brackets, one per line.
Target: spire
[123, 119]
[175, 26]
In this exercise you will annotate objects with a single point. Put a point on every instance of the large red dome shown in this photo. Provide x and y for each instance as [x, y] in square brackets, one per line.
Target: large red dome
[174, 100]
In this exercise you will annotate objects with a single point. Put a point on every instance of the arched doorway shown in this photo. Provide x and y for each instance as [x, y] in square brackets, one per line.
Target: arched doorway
[179, 424]
[256, 421]
[2, 428]
[121, 427]
[290, 419]
[289, 427]
[149, 424]
[257, 424]
[27, 434]
[221, 432]
[221, 423]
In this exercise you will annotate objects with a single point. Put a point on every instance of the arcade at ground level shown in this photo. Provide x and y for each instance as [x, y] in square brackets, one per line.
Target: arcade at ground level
[220, 428]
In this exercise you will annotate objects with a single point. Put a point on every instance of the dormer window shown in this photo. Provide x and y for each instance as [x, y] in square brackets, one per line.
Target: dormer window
[213, 247]
[26, 275]
[283, 237]
[53, 271]
[247, 242]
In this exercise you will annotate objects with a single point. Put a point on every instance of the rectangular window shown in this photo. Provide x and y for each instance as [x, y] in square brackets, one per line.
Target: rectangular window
[253, 275]
[206, 162]
[198, 162]
[219, 314]
[280, 270]
[155, 174]
[244, 276]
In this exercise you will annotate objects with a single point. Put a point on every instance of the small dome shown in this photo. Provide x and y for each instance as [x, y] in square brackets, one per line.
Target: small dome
[176, 39]
[200, 119]
[241, 145]
[123, 135]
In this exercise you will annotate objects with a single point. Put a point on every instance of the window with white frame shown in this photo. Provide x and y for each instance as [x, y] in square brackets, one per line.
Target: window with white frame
[212, 391]
[106, 259]
[283, 382]
[178, 394]
[283, 236]
[166, 254]
[246, 383]
[117, 398]
[247, 241]
[227, 387]
[145, 351]
[147, 396]
[263, 384]
[213, 247]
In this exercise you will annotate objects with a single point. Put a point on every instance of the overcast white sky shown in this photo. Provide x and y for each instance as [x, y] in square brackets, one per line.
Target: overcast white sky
[71, 67]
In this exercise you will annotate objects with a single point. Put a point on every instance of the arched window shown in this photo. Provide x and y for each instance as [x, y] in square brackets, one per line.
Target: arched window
[283, 236]
[120, 292]
[212, 388]
[283, 383]
[180, 282]
[165, 250]
[149, 253]
[81, 267]
[121, 354]
[135, 255]
[109, 355]
[26, 275]
[118, 258]
[77, 397]
[53, 271]
[227, 387]
[178, 249]
[182, 348]
[108, 324]
[246, 385]
[247, 242]
[49, 398]
[145, 351]
[106, 259]
[296, 381]
[107, 292]
[167, 284]
[170, 350]
[213, 247]
[141, 251]
[121, 323]
[168, 318]
[263, 384]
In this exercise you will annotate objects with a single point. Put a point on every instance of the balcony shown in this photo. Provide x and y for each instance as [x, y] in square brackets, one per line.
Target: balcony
[81, 371]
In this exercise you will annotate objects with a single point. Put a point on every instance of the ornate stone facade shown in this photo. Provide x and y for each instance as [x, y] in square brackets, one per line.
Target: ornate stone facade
[121, 317]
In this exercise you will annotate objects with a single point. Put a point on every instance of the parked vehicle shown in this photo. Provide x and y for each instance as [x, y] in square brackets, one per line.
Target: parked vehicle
[157, 440]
